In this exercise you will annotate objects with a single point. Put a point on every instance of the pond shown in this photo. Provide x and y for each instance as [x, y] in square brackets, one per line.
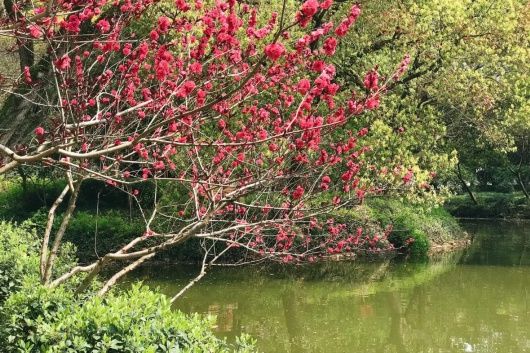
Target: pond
[477, 300]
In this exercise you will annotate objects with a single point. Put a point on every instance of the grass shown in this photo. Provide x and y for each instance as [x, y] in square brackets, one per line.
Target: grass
[92, 232]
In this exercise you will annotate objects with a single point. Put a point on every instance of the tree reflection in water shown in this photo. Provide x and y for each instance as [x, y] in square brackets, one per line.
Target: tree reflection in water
[477, 300]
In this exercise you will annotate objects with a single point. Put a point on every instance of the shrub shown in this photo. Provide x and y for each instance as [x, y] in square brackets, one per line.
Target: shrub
[18, 203]
[138, 320]
[28, 310]
[420, 244]
[99, 234]
[18, 259]
[415, 226]
[408, 238]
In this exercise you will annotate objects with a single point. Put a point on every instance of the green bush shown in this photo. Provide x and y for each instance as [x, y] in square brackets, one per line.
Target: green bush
[415, 226]
[18, 258]
[139, 320]
[407, 237]
[18, 201]
[420, 244]
[103, 233]
[26, 311]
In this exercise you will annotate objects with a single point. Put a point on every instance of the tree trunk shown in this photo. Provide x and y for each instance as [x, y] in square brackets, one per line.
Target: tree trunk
[18, 115]
[466, 187]
[523, 187]
[24, 178]
[25, 48]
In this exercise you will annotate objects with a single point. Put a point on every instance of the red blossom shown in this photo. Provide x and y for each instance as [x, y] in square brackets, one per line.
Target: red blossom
[182, 5]
[27, 75]
[372, 102]
[403, 66]
[303, 86]
[63, 63]
[196, 68]
[408, 177]
[360, 193]
[330, 44]
[159, 165]
[326, 4]
[186, 89]
[309, 8]
[153, 35]
[371, 80]
[35, 31]
[274, 51]
[355, 12]
[72, 24]
[298, 192]
[362, 132]
[39, 131]
[103, 26]
[164, 24]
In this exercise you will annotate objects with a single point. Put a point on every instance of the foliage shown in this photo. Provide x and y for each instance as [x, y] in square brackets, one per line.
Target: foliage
[94, 233]
[490, 205]
[17, 202]
[20, 199]
[102, 233]
[25, 311]
[465, 96]
[415, 226]
[19, 257]
[18, 261]
[139, 320]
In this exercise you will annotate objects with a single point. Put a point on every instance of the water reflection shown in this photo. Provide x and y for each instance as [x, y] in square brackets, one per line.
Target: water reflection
[475, 301]
[293, 322]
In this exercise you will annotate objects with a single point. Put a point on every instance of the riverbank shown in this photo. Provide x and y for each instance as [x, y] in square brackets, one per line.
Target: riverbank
[104, 221]
[454, 245]
[490, 205]
[37, 318]
[417, 229]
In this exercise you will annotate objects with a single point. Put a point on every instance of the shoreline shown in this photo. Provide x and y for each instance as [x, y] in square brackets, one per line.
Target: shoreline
[450, 246]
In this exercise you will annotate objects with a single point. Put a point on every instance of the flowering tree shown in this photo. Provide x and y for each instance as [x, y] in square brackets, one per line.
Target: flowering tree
[243, 117]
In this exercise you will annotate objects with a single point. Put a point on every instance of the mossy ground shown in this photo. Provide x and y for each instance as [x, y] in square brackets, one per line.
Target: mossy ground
[415, 227]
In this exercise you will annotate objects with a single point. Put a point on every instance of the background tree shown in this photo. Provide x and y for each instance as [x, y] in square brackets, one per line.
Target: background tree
[469, 62]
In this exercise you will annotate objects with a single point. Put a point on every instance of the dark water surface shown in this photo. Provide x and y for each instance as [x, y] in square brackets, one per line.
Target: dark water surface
[477, 300]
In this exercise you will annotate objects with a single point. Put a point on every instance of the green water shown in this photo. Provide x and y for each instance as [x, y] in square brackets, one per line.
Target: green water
[477, 300]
